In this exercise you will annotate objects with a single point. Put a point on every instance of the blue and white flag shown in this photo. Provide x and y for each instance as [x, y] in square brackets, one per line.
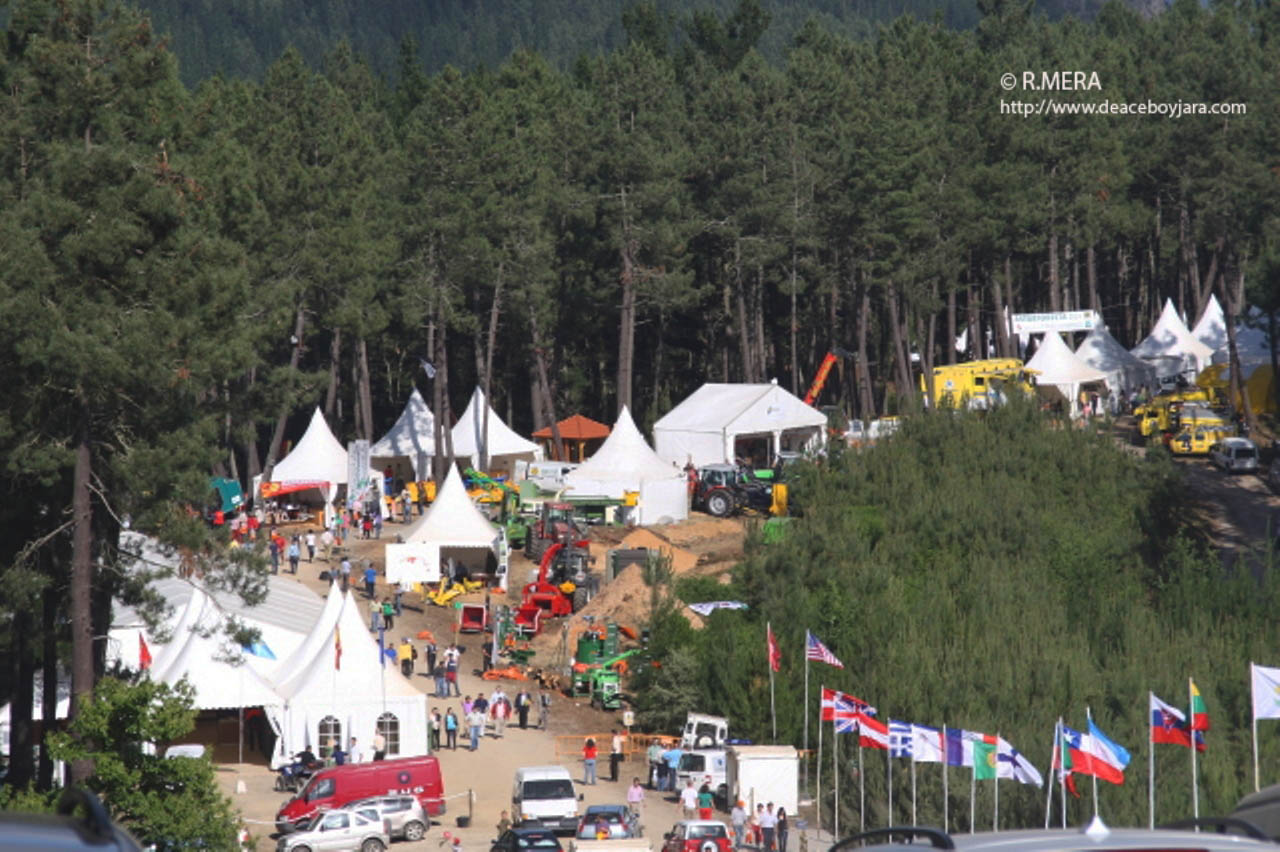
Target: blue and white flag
[1011, 763]
[900, 739]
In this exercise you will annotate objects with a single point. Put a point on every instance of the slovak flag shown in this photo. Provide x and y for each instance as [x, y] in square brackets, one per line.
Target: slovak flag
[1169, 725]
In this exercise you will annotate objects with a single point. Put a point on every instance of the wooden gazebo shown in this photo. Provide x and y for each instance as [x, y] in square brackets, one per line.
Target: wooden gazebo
[579, 438]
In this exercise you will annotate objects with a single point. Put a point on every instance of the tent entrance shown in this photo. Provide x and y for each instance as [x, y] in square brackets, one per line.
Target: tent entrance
[221, 729]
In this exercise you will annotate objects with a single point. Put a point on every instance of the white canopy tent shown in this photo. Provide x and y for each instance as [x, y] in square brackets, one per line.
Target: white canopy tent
[410, 442]
[1058, 366]
[316, 462]
[1211, 329]
[452, 522]
[1253, 341]
[706, 427]
[1124, 370]
[348, 688]
[504, 447]
[625, 462]
[1170, 343]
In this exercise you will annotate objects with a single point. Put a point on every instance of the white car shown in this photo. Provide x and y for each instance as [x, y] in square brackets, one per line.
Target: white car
[1235, 455]
[360, 829]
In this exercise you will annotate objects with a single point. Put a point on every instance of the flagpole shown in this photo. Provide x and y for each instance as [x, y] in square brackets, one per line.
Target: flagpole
[1151, 765]
[973, 798]
[914, 821]
[888, 774]
[835, 774]
[995, 784]
[1195, 781]
[1088, 714]
[1062, 776]
[1048, 798]
[946, 796]
[1254, 714]
[862, 790]
[806, 708]
[822, 691]
[773, 712]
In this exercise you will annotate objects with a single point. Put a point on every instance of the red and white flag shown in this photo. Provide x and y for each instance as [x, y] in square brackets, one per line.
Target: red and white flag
[872, 734]
[775, 656]
[815, 650]
[841, 705]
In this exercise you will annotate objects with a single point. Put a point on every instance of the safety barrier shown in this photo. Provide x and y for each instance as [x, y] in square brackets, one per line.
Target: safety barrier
[634, 746]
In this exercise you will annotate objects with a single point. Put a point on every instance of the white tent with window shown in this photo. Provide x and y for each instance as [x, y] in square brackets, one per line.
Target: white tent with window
[349, 688]
[504, 446]
[409, 443]
[719, 422]
[1124, 370]
[625, 462]
[454, 527]
[1170, 347]
[1057, 366]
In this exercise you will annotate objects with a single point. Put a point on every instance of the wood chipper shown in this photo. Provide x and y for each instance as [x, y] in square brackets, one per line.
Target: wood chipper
[561, 588]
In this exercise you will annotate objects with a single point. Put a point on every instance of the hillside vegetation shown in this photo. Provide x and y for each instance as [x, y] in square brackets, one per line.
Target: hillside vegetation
[989, 574]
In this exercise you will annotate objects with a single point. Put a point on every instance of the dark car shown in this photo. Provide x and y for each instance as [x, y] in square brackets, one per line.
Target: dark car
[94, 830]
[619, 820]
[527, 840]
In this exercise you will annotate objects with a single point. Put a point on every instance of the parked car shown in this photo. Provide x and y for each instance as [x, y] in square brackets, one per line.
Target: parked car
[1235, 455]
[527, 840]
[339, 786]
[65, 830]
[697, 835]
[341, 830]
[404, 815]
[621, 822]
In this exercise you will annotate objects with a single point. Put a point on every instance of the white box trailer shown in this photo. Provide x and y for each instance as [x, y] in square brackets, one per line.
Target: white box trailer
[757, 775]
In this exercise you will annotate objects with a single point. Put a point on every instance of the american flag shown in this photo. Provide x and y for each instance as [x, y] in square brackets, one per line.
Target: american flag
[815, 650]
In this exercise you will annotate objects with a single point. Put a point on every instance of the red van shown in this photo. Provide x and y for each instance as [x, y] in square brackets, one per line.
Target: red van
[340, 785]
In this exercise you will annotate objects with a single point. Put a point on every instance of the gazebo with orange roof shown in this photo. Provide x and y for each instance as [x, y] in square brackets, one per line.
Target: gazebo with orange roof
[579, 438]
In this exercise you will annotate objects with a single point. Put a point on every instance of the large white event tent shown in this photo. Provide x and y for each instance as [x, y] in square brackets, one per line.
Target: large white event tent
[625, 462]
[409, 443]
[1170, 347]
[1211, 329]
[317, 461]
[707, 427]
[452, 527]
[1125, 371]
[503, 446]
[1056, 365]
[349, 688]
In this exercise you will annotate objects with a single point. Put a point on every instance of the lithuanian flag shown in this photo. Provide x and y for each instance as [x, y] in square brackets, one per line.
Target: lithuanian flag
[1199, 716]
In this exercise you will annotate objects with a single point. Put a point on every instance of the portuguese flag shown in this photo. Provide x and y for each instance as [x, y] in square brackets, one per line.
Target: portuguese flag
[1199, 716]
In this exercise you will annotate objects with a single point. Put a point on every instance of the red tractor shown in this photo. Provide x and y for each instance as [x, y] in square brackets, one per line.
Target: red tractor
[555, 523]
[561, 588]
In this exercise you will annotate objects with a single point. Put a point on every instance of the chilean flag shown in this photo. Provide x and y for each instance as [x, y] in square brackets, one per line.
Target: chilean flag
[1094, 754]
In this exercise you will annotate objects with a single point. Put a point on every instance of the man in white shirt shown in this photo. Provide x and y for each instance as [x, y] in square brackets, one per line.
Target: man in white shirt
[689, 801]
[768, 823]
[355, 754]
[615, 754]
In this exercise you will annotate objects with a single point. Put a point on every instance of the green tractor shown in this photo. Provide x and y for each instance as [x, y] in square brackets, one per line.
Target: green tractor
[509, 517]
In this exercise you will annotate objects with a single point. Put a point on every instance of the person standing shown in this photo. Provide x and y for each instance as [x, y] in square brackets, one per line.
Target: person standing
[377, 525]
[370, 579]
[379, 746]
[388, 611]
[354, 752]
[523, 702]
[705, 802]
[635, 798]
[655, 764]
[671, 757]
[433, 738]
[344, 573]
[375, 616]
[738, 819]
[404, 653]
[274, 547]
[544, 710]
[768, 825]
[326, 542]
[295, 553]
[442, 689]
[589, 762]
[689, 800]
[475, 723]
[500, 710]
[430, 649]
[311, 546]
[615, 755]
[783, 827]
[451, 729]
[504, 824]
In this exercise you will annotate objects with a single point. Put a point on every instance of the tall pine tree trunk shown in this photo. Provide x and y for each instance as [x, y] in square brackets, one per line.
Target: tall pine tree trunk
[49, 601]
[866, 399]
[331, 396]
[627, 312]
[82, 682]
[900, 349]
[950, 342]
[491, 341]
[740, 300]
[22, 666]
[365, 391]
[542, 386]
[1091, 277]
[277, 434]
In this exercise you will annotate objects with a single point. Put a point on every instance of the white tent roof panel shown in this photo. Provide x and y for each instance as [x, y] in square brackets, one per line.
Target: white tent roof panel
[316, 456]
[412, 434]
[502, 440]
[453, 520]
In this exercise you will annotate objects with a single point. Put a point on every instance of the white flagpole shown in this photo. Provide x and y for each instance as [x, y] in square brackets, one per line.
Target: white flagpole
[822, 690]
[835, 772]
[1088, 714]
[1195, 780]
[888, 774]
[1151, 766]
[806, 710]
[946, 796]
[1048, 797]
[773, 712]
[995, 783]
[1062, 776]
[862, 790]
[973, 798]
[914, 821]
[1254, 713]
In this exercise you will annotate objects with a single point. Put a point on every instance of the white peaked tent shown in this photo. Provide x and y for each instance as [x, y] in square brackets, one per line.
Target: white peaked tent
[707, 425]
[1253, 342]
[1211, 330]
[503, 445]
[317, 461]
[625, 462]
[453, 523]
[1058, 366]
[1170, 343]
[1124, 370]
[411, 439]
[287, 674]
[346, 688]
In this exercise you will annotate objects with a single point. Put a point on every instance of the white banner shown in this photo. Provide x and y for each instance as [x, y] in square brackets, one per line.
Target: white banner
[1061, 321]
[413, 563]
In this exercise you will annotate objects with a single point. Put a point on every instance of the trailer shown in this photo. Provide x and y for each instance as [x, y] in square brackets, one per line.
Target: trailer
[761, 774]
[473, 618]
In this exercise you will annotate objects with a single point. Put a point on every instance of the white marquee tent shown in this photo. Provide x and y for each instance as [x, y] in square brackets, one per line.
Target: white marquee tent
[1124, 370]
[1059, 367]
[1253, 342]
[504, 446]
[317, 461]
[409, 443]
[1211, 330]
[348, 688]
[452, 523]
[1170, 346]
[706, 427]
[625, 462]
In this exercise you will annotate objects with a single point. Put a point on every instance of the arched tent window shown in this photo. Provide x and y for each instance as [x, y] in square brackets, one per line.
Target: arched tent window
[330, 735]
[389, 727]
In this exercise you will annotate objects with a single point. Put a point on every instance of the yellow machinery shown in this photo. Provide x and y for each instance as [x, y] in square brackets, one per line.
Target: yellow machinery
[977, 384]
[450, 589]
[1199, 429]
[1161, 414]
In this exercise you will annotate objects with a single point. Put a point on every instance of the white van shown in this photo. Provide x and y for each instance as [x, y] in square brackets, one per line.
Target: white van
[704, 766]
[702, 730]
[544, 797]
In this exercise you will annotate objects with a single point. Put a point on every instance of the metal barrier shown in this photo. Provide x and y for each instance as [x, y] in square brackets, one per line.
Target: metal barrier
[634, 746]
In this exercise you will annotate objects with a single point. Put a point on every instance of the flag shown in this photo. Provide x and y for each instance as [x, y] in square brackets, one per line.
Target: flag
[427, 367]
[1266, 692]
[959, 748]
[260, 649]
[144, 654]
[984, 754]
[815, 650]
[871, 734]
[775, 656]
[1011, 763]
[337, 648]
[829, 697]
[1062, 750]
[899, 739]
[1199, 715]
[1095, 754]
[705, 608]
[926, 744]
[1169, 726]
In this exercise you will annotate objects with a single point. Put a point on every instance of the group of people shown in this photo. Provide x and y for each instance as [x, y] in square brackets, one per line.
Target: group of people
[590, 753]
[766, 828]
[482, 713]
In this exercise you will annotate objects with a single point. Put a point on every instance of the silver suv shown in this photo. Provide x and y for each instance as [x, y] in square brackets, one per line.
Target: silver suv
[340, 830]
[403, 814]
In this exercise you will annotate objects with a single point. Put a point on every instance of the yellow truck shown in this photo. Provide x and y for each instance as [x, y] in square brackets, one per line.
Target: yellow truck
[1161, 414]
[1199, 428]
[977, 385]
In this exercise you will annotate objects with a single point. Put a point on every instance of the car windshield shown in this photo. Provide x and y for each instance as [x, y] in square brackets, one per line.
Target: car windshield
[537, 841]
[1246, 452]
[692, 762]
[706, 831]
[555, 788]
[318, 788]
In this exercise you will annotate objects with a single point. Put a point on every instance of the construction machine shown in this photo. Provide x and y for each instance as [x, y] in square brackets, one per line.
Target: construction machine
[723, 489]
[555, 523]
[508, 498]
[560, 589]
[824, 369]
[977, 385]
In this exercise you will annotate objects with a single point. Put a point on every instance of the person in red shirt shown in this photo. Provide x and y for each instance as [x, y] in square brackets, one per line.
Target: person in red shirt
[589, 762]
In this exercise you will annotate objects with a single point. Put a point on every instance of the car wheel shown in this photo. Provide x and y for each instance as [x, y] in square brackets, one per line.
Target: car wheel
[719, 504]
[373, 844]
[414, 831]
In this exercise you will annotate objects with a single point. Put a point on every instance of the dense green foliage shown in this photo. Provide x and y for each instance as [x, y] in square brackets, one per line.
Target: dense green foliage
[169, 802]
[988, 573]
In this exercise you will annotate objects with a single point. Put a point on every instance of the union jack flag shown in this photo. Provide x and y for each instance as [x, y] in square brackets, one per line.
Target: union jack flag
[815, 650]
[840, 707]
